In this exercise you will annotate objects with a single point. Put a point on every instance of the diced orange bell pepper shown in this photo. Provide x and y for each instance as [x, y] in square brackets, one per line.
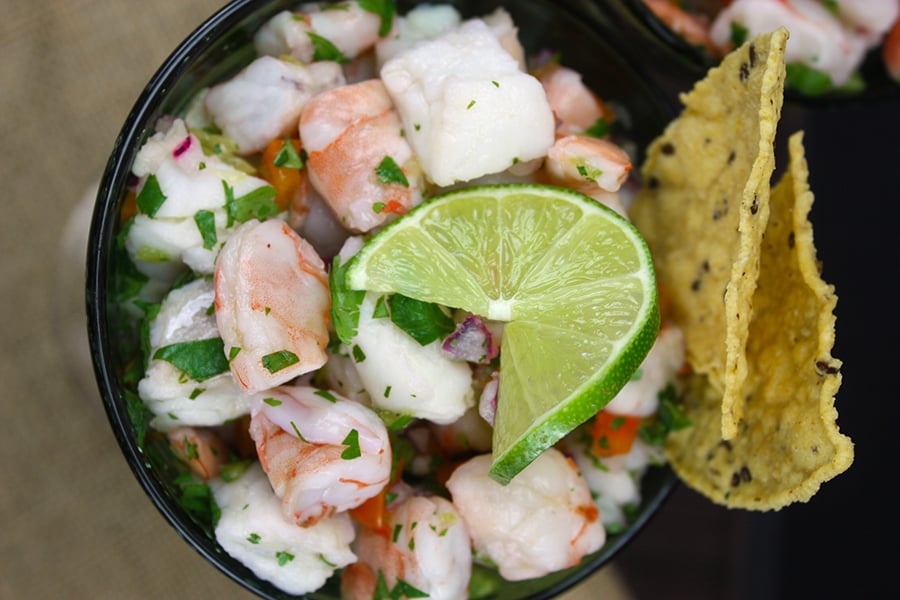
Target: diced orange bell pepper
[285, 180]
[613, 434]
[372, 513]
[129, 207]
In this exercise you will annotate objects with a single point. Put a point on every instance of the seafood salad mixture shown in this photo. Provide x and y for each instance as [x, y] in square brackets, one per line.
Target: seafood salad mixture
[830, 39]
[365, 454]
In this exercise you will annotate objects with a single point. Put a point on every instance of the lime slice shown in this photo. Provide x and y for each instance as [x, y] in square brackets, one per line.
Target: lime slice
[572, 279]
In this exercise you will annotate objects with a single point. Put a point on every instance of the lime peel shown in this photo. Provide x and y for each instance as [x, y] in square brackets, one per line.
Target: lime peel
[573, 279]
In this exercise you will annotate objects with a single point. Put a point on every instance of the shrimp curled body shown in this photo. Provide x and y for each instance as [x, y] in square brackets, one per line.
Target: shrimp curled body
[323, 454]
[272, 304]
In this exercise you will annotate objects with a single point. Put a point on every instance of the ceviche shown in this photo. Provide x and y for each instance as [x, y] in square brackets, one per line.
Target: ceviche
[320, 449]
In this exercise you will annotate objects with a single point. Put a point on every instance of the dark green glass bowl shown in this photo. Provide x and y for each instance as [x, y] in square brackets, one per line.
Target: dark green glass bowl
[217, 49]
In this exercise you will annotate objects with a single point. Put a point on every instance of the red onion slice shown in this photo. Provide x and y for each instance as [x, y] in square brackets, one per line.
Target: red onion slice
[472, 342]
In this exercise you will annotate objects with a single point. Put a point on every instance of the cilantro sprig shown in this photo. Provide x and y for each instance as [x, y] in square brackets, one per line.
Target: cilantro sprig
[669, 418]
[198, 359]
[425, 322]
[344, 302]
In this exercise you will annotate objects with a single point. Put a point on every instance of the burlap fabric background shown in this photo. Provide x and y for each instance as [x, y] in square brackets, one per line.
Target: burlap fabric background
[73, 521]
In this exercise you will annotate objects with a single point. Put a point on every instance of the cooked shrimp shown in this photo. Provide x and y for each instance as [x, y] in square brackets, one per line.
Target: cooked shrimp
[253, 530]
[576, 107]
[359, 159]
[202, 450]
[174, 397]
[323, 454]
[640, 396]
[691, 27]
[426, 546]
[263, 102]
[592, 166]
[818, 39]
[272, 304]
[544, 520]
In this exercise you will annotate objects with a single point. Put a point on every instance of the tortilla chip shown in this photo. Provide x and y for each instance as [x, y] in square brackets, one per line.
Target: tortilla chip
[706, 178]
[788, 443]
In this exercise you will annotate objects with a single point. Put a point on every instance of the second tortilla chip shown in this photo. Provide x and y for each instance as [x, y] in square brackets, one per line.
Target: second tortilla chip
[788, 443]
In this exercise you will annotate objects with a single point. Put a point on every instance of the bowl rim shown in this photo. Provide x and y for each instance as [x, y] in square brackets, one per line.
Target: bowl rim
[115, 178]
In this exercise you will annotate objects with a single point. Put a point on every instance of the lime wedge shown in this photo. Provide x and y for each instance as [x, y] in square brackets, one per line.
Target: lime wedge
[572, 279]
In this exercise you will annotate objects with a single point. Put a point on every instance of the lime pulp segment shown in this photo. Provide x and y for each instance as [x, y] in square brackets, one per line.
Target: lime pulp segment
[573, 280]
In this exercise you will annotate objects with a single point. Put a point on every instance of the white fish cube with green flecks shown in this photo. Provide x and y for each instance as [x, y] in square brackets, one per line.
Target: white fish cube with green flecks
[174, 398]
[253, 529]
[405, 377]
[467, 108]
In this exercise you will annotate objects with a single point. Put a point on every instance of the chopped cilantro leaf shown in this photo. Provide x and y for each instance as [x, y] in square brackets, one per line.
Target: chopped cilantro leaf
[323, 49]
[327, 395]
[199, 360]
[151, 197]
[253, 538]
[381, 310]
[358, 354]
[388, 171]
[807, 80]
[669, 418]
[272, 401]
[297, 432]
[344, 302]
[384, 9]
[256, 204]
[190, 449]
[599, 129]
[206, 223]
[283, 557]
[279, 360]
[138, 415]
[739, 33]
[233, 470]
[288, 157]
[198, 500]
[425, 322]
[352, 442]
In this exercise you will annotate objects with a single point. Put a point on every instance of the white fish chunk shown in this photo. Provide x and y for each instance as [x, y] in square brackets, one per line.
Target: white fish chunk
[404, 377]
[173, 398]
[264, 101]
[253, 530]
[466, 107]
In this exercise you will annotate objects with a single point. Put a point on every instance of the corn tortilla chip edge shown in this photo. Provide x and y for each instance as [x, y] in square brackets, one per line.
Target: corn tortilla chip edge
[753, 218]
